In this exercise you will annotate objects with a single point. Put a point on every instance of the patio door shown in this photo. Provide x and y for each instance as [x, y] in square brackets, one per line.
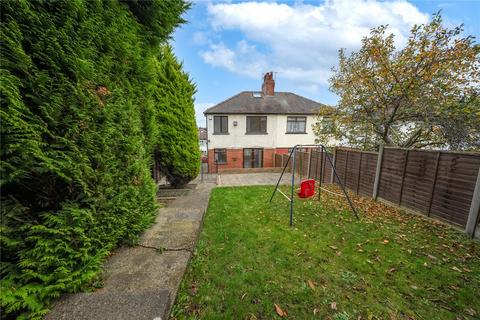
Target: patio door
[253, 158]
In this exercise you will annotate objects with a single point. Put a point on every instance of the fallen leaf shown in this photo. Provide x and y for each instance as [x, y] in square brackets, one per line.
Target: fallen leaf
[456, 269]
[311, 284]
[279, 311]
[471, 312]
[333, 306]
[333, 247]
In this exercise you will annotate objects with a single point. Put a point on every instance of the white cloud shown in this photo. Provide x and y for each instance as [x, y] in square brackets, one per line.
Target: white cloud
[200, 38]
[301, 41]
[243, 59]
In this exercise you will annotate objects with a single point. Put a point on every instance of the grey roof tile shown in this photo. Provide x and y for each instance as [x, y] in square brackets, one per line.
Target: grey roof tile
[280, 103]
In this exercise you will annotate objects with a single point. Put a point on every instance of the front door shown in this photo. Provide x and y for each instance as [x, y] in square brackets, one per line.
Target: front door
[253, 158]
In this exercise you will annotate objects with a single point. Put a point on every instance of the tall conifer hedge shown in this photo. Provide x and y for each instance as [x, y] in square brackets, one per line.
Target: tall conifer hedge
[90, 93]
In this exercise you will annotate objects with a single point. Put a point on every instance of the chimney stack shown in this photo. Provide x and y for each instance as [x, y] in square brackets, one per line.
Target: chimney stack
[268, 86]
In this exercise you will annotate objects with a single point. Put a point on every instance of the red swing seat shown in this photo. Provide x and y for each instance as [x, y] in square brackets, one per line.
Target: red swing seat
[307, 188]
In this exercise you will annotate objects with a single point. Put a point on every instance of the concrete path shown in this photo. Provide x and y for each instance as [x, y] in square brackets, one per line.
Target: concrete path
[141, 282]
[249, 179]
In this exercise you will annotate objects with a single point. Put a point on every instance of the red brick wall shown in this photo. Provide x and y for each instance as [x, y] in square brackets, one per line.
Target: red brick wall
[235, 159]
[281, 150]
[268, 157]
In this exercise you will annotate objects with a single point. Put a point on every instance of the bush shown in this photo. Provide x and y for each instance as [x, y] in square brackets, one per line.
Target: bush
[82, 100]
[179, 154]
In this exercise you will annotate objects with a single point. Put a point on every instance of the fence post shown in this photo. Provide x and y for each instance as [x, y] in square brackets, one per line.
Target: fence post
[334, 163]
[403, 177]
[345, 171]
[474, 209]
[359, 171]
[377, 172]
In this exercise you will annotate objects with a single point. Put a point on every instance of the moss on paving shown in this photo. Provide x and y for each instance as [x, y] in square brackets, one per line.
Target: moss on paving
[388, 265]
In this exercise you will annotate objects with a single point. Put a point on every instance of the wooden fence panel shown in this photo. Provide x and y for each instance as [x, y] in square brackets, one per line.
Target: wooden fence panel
[419, 179]
[340, 162]
[454, 187]
[352, 169]
[367, 178]
[320, 159]
[436, 183]
[391, 174]
[278, 161]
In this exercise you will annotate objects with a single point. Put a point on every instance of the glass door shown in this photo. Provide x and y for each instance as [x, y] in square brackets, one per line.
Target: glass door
[253, 158]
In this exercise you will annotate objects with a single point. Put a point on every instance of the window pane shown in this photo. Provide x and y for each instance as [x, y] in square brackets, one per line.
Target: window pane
[296, 124]
[220, 124]
[224, 124]
[247, 158]
[216, 124]
[220, 155]
[256, 124]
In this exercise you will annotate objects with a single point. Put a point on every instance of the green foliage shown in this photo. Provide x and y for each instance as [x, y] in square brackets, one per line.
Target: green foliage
[84, 93]
[425, 94]
[329, 265]
[178, 150]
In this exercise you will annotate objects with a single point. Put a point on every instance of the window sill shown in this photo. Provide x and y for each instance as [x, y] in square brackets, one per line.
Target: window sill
[256, 133]
[295, 133]
[220, 134]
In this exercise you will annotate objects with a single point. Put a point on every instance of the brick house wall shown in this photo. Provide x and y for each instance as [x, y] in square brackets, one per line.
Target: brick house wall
[235, 159]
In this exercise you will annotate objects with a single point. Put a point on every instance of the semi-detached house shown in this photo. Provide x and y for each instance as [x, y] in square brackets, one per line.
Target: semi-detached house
[246, 130]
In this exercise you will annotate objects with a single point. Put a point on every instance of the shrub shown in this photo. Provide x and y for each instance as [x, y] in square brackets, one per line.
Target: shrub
[80, 112]
[179, 154]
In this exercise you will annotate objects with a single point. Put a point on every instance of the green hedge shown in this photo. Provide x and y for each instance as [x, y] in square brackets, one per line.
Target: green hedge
[178, 150]
[88, 96]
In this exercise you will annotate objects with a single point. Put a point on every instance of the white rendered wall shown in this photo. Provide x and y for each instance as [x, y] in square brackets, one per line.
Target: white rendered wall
[276, 136]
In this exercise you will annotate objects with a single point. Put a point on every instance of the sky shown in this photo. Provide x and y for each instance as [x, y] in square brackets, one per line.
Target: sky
[227, 46]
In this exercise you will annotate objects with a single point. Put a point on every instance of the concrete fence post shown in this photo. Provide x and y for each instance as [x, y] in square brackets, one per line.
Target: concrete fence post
[377, 172]
[334, 160]
[474, 209]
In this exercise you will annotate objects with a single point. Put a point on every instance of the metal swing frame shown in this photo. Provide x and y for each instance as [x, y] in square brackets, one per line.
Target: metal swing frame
[291, 199]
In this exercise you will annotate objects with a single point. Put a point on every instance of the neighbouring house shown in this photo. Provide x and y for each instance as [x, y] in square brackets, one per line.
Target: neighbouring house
[246, 130]
[202, 140]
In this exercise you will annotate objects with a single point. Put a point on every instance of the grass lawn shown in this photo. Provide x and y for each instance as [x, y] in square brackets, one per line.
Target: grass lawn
[388, 265]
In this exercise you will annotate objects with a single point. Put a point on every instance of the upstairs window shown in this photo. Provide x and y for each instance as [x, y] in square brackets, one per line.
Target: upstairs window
[220, 124]
[256, 124]
[296, 124]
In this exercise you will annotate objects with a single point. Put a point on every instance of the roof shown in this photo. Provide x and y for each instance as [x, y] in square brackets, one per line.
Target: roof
[281, 103]
[202, 134]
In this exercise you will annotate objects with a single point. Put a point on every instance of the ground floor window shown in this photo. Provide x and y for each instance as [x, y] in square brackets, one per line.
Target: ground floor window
[253, 158]
[220, 156]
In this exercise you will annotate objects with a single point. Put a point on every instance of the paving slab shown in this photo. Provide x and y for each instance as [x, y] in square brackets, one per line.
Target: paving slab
[141, 305]
[141, 282]
[249, 179]
[139, 269]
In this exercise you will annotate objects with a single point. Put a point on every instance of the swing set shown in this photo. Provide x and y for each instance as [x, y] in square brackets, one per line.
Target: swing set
[307, 187]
